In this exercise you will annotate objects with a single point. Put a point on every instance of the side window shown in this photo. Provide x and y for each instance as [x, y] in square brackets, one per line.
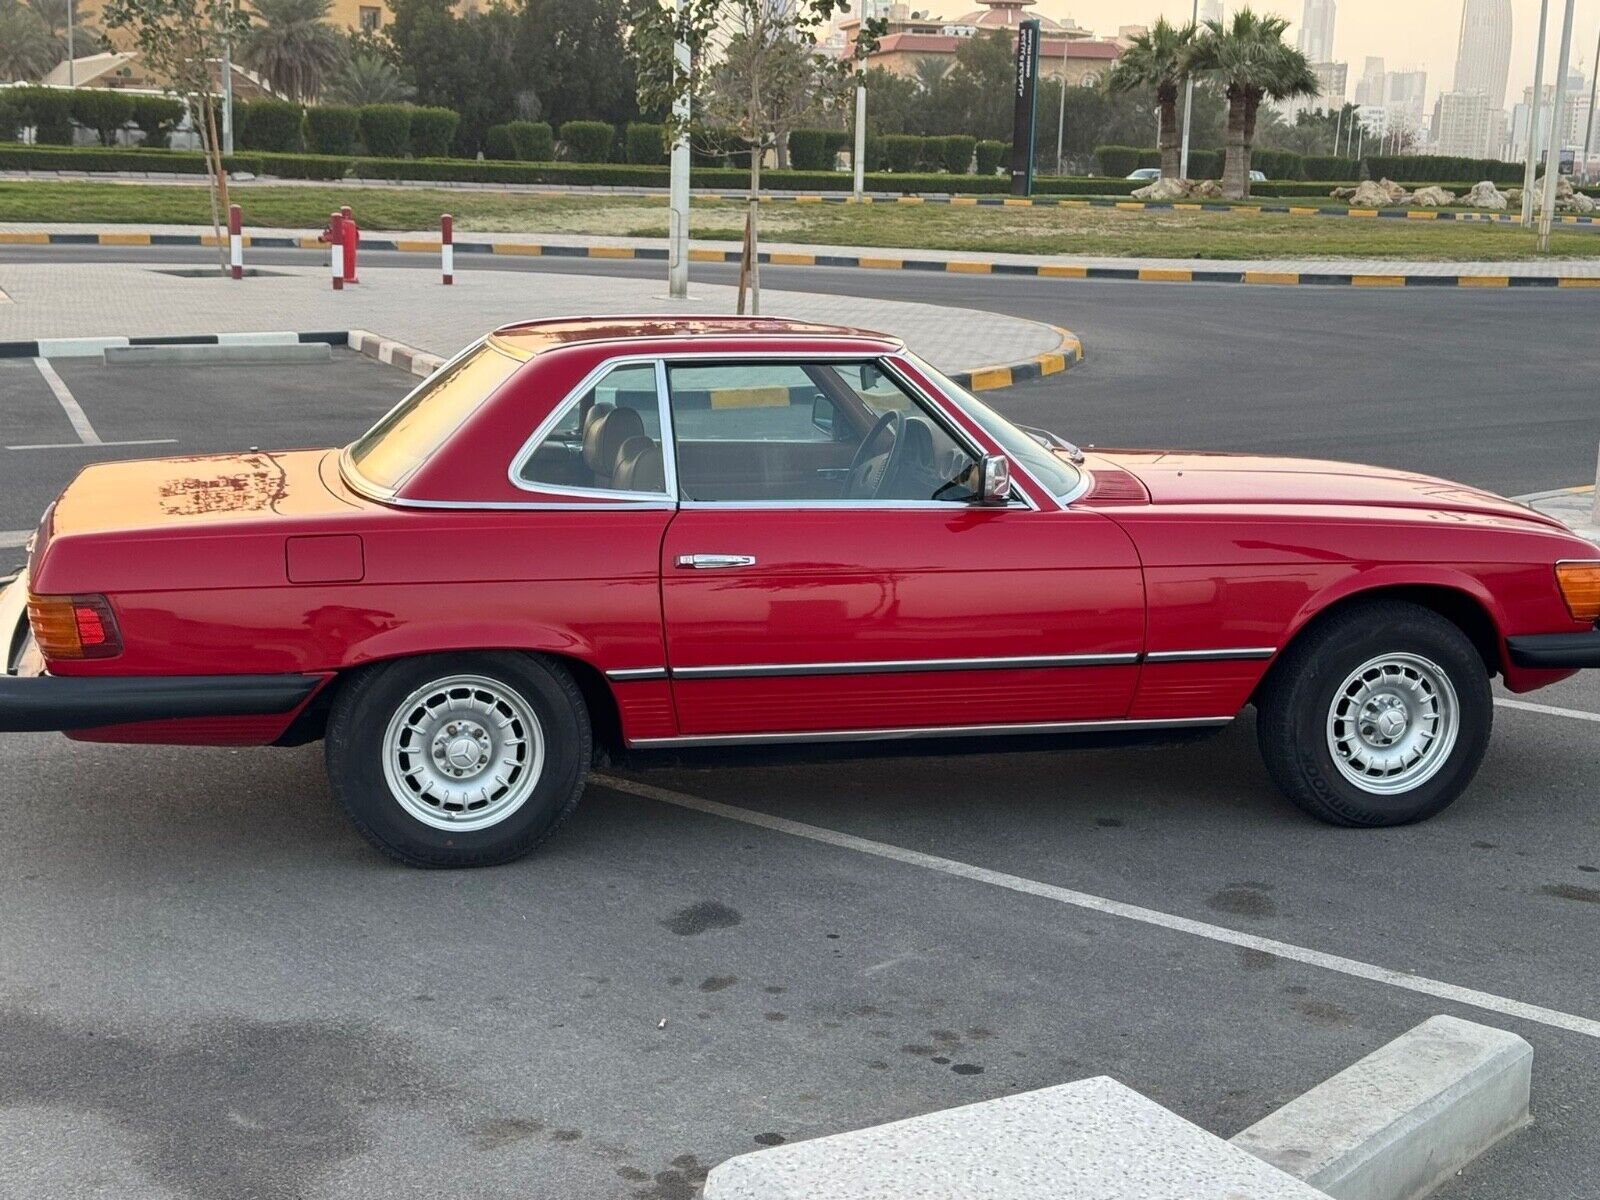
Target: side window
[608, 439]
[787, 431]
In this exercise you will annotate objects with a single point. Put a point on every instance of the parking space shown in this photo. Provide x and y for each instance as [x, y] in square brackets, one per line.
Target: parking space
[214, 986]
[75, 411]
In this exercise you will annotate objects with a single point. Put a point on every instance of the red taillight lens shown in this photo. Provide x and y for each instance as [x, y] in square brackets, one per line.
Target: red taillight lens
[74, 626]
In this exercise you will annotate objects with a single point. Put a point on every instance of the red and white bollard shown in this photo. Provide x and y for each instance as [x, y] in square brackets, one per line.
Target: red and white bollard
[352, 241]
[335, 236]
[235, 242]
[447, 248]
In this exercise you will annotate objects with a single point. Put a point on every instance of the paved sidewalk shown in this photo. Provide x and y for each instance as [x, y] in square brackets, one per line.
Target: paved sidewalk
[1575, 506]
[1361, 271]
[411, 306]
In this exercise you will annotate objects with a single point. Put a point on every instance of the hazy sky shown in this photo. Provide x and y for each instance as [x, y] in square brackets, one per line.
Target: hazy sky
[1407, 34]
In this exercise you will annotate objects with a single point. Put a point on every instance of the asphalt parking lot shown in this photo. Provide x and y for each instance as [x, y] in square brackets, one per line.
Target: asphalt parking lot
[212, 985]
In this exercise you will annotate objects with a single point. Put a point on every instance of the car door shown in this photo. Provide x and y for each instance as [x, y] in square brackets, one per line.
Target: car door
[796, 603]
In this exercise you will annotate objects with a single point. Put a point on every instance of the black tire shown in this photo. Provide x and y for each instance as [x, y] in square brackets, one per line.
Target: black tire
[1295, 703]
[358, 725]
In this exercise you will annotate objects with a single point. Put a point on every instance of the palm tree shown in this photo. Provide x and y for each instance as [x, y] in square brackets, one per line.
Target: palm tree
[26, 49]
[56, 15]
[369, 78]
[293, 47]
[1158, 59]
[1250, 58]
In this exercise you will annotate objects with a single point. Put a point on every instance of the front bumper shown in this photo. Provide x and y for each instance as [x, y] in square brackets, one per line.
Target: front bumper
[1555, 651]
[32, 701]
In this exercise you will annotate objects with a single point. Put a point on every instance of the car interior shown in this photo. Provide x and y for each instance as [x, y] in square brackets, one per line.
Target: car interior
[767, 431]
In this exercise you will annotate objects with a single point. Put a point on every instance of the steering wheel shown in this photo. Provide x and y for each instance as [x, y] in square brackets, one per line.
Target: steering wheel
[865, 478]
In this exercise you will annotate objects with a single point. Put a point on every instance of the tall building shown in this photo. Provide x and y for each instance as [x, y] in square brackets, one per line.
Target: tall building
[1211, 10]
[1316, 30]
[1333, 79]
[1369, 88]
[1468, 125]
[1483, 55]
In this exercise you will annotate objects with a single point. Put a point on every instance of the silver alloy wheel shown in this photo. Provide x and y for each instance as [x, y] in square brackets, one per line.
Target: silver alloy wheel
[1393, 723]
[463, 753]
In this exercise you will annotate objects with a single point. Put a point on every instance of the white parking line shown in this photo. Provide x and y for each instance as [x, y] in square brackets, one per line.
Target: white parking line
[75, 414]
[96, 443]
[1439, 990]
[1549, 710]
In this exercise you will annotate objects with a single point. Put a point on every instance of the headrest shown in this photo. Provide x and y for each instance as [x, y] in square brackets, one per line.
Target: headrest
[603, 436]
[640, 467]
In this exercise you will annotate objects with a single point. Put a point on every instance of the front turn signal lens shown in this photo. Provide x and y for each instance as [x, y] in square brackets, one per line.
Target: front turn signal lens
[1580, 588]
[74, 626]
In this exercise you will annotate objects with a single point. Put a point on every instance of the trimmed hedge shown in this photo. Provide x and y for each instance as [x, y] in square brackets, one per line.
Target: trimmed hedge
[1278, 164]
[271, 125]
[808, 150]
[533, 141]
[587, 141]
[1205, 164]
[645, 144]
[1328, 167]
[10, 119]
[1424, 168]
[1117, 161]
[901, 152]
[48, 110]
[103, 110]
[955, 153]
[332, 129]
[386, 129]
[497, 143]
[990, 154]
[433, 131]
[157, 117]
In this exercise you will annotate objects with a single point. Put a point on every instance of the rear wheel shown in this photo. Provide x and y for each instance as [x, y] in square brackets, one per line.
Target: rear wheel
[1378, 716]
[459, 760]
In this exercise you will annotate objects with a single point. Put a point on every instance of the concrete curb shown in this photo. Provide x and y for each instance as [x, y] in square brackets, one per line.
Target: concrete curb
[1402, 1120]
[1040, 269]
[223, 354]
[91, 347]
[1067, 353]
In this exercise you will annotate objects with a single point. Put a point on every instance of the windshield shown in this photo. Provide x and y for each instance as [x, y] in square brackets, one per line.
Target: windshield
[1054, 471]
[398, 444]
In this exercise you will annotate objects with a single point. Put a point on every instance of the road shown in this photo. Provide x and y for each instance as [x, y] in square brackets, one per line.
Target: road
[213, 986]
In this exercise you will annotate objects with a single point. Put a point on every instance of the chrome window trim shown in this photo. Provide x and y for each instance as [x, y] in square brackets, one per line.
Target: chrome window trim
[362, 488]
[929, 731]
[1235, 654]
[565, 405]
[905, 666]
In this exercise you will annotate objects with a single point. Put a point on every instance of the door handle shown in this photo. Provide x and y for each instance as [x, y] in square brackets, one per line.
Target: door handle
[715, 562]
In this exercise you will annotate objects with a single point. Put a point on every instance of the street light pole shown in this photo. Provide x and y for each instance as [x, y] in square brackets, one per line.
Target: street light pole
[1588, 129]
[1061, 116]
[72, 59]
[858, 160]
[1188, 101]
[1528, 172]
[678, 189]
[227, 90]
[1552, 162]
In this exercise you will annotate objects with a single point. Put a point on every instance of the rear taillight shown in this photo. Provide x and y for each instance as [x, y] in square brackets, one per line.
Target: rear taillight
[74, 626]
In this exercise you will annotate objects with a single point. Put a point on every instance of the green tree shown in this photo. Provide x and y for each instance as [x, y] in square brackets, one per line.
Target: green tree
[293, 47]
[1158, 60]
[369, 78]
[56, 14]
[567, 50]
[462, 63]
[1249, 58]
[27, 50]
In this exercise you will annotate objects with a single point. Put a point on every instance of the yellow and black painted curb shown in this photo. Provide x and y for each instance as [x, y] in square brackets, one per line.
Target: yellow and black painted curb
[1043, 269]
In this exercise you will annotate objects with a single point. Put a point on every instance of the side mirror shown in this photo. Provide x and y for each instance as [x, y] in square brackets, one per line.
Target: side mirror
[994, 479]
[822, 413]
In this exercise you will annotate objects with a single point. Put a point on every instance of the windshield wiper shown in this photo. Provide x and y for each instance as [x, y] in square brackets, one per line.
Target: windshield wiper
[1051, 441]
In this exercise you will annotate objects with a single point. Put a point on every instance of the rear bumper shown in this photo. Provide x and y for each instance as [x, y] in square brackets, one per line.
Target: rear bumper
[1556, 651]
[31, 704]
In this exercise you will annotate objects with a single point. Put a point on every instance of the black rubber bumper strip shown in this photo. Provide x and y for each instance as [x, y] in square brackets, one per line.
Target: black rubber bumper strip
[1558, 651]
[33, 704]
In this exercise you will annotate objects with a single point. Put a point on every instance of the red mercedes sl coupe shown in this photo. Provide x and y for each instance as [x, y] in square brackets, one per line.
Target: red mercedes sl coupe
[589, 539]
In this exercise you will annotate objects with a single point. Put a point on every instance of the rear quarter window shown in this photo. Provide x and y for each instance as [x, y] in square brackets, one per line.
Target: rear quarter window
[388, 453]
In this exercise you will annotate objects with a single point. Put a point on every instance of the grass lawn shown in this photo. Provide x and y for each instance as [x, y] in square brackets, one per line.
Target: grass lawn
[1038, 230]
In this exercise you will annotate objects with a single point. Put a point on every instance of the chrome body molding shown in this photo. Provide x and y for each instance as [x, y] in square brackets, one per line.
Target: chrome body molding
[1224, 655]
[633, 674]
[899, 666]
[928, 731]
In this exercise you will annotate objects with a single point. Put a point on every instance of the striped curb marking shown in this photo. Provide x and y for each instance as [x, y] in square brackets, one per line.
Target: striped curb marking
[1040, 270]
[86, 347]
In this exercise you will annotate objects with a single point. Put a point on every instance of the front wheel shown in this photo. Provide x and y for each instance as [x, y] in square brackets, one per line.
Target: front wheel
[459, 760]
[1378, 716]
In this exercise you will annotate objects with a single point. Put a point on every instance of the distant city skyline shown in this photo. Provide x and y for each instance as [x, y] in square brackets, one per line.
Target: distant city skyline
[1417, 35]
